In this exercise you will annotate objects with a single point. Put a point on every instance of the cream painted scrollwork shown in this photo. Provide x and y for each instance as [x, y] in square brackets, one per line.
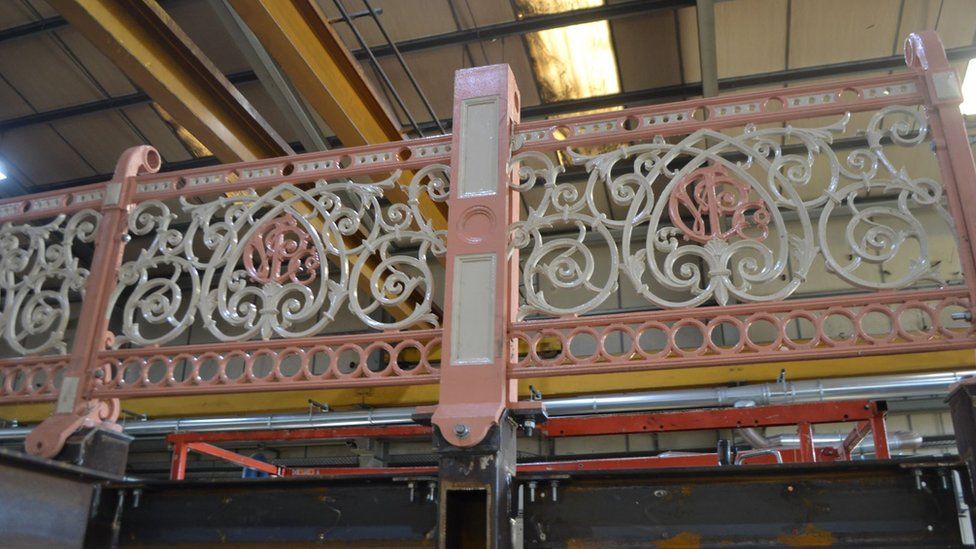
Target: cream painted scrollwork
[283, 263]
[722, 218]
[39, 273]
[884, 232]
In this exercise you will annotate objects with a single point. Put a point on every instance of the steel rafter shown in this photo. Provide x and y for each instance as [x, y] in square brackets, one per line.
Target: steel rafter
[146, 45]
[633, 97]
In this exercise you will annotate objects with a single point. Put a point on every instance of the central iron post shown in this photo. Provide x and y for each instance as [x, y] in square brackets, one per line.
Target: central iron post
[473, 432]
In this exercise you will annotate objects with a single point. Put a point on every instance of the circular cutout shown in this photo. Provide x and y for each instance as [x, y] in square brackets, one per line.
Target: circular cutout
[153, 160]
[762, 331]
[653, 339]
[207, 370]
[876, 324]
[321, 361]
[561, 133]
[476, 223]
[290, 365]
[583, 346]
[236, 364]
[801, 331]
[838, 327]
[688, 337]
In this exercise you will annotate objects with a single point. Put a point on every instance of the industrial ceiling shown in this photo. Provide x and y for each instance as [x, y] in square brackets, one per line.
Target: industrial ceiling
[67, 111]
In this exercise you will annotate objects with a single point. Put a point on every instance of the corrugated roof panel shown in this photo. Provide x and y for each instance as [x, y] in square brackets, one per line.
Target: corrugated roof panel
[509, 50]
[402, 20]
[688, 37]
[157, 132]
[750, 36]
[835, 31]
[100, 138]
[11, 105]
[201, 24]
[43, 73]
[484, 12]
[42, 155]
[101, 67]
[262, 102]
[646, 48]
[434, 71]
[956, 23]
[14, 14]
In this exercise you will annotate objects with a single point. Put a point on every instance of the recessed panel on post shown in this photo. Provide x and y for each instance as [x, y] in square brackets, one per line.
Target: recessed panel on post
[473, 313]
[478, 171]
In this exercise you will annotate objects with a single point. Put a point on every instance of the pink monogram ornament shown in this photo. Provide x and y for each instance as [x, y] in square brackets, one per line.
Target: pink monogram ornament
[281, 251]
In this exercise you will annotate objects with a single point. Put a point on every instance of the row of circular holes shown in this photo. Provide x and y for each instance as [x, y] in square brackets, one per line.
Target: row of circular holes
[633, 122]
[31, 380]
[695, 330]
[344, 162]
[260, 366]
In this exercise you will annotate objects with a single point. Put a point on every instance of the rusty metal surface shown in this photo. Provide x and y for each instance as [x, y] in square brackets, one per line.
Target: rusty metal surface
[868, 504]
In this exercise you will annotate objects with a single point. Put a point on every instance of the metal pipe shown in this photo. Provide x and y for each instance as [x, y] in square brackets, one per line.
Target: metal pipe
[376, 64]
[755, 438]
[404, 66]
[897, 440]
[879, 387]
[762, 394]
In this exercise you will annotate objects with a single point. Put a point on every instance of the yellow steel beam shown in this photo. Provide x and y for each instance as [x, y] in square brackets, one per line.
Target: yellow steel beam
[153, 52]
[299, 37]
[290, 401]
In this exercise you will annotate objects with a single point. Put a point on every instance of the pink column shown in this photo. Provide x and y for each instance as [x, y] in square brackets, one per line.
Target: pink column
[481, 285]
[74, 408]
[925, 55]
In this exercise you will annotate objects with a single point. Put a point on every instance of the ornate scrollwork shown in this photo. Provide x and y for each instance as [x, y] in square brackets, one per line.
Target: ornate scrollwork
[724, 218]
[39, 272]
[283, 263]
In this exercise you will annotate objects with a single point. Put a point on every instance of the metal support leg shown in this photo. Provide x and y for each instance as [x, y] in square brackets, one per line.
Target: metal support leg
[476, 490]
[808, 452]
[962, 403]
[177, 469]
[880, 435]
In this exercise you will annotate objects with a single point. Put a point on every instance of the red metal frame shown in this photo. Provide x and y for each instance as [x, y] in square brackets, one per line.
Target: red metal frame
[868, 415]
[788, 455]
[717, 418]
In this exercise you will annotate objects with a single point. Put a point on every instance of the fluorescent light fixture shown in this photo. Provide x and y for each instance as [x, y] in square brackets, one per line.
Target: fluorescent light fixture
[571, 62]
[3, 175]
[969, 89]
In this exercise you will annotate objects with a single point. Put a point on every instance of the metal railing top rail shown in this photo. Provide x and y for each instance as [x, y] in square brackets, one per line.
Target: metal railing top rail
[47, 204]
[410, 154]
[349, 162]
[724, 111]
[543, 135]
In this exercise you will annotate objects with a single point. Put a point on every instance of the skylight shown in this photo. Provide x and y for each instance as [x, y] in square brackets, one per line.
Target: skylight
[571, 62]
[969, 89]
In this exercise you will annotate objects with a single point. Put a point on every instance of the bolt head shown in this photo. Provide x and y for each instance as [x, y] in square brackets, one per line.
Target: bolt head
[461, 430]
